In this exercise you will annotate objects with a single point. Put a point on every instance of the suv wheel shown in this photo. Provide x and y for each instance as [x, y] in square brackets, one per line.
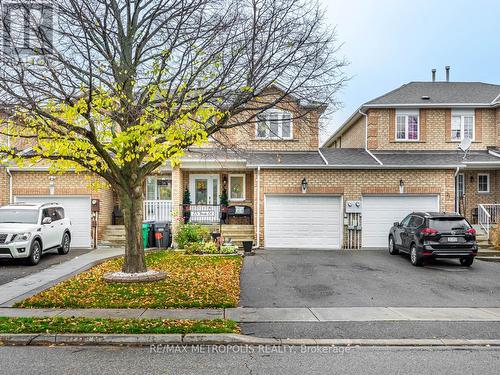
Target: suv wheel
[64, 248]
[467, 262]
[392, 246]
[35, 253]
[415, 257]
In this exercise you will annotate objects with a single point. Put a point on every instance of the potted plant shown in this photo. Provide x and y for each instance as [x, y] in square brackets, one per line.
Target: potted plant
[224, 203]
[247, 246]
[186, 206]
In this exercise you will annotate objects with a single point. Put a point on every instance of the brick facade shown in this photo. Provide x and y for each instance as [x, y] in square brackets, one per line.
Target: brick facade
[37, 183]
[435, 130]
[352, 184]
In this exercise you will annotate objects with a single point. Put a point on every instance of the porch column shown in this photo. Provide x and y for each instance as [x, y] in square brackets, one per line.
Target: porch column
[177, 193]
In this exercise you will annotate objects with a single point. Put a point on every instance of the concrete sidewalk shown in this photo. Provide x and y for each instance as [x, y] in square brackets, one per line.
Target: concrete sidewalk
[270, 315]
[21, 288]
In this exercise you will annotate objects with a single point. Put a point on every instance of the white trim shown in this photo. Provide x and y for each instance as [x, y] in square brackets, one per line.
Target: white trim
[488, 180]
[209, 178]
[280, 113]
[495, 101]
[406, 113]
[244, 176]
[258, 207]
[374, 157]
[322, 156]
[494, 153]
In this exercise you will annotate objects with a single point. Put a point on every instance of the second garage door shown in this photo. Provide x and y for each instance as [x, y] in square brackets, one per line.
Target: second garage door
[302, 221]
[380, 212]
[77, 209]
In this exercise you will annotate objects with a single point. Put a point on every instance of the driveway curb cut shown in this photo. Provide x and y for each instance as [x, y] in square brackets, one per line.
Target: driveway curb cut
[160, 340]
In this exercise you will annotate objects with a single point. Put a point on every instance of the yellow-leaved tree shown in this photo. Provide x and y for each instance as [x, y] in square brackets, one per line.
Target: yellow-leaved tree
[120, 87]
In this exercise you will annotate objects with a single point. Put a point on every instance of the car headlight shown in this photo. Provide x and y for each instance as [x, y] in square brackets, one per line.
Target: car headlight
[21, 237]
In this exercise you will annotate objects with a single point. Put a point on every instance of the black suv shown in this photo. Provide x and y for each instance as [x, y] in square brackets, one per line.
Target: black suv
[426, 235]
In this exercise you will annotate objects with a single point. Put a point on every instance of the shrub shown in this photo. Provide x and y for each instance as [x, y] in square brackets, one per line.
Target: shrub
[191, 233]
[228, 249]
[194, 248]
[495, 237]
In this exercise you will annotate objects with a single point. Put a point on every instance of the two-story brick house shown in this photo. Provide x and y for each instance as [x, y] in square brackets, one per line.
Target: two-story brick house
[419, 127]
[397, 154]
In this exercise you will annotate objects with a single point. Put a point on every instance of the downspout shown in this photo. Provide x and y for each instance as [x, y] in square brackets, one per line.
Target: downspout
[366, 138]
[457, 202]
[258, 208]
[10, 184]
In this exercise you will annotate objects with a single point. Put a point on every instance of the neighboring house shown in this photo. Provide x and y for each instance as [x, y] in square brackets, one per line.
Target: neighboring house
[397, 154]
[418, 128]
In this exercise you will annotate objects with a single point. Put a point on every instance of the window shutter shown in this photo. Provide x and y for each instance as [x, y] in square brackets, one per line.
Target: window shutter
[478, 128]
[423, 125]
[447, 125]
[392, 125]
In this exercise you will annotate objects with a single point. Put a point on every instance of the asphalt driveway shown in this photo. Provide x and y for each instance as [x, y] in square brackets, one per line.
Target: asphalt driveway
[314, 278]
[12, 269]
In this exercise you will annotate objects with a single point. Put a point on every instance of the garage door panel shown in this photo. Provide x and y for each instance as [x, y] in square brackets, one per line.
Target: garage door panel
[302, 222]
[380, 213]
[77, 209]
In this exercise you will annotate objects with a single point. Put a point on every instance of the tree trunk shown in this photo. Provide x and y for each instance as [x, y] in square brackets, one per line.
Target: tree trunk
[132, 217]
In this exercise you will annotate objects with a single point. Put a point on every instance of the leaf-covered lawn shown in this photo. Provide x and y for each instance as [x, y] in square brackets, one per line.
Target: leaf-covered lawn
[132, 326]
[192, 281]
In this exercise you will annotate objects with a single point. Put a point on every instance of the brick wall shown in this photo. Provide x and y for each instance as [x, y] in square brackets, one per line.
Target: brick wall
[435, 130]
[353, 183]
[354, 137]
[37, 183]
[473, 198]
[4, 186]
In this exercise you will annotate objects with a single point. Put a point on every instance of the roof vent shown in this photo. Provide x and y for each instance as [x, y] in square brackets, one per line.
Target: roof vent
[425, 97]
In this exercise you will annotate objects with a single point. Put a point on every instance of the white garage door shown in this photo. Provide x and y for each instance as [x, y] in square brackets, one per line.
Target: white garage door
[302, 221]
[381, 212]
[77, 209]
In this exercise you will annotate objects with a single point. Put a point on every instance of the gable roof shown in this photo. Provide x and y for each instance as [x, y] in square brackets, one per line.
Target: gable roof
[440, 93]
[428, 94]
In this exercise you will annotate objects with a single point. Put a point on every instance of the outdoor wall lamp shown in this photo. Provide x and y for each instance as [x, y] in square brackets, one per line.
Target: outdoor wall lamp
[303, 184]
[471, 179]
[401, 186]
[52, 185]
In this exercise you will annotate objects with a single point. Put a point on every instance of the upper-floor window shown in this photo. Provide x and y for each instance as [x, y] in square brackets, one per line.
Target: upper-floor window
[407, 125]
[274, 124]
[462, 124]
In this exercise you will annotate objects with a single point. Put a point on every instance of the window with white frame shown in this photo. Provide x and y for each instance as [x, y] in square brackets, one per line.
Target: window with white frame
[274, 124]
[483, 183]
[236, 187]
[407, 125]
[462, 125]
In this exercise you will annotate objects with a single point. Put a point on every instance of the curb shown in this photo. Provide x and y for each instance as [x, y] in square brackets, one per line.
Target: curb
[218, 339]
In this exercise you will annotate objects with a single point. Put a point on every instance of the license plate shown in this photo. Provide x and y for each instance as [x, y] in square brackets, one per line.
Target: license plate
[452, 239]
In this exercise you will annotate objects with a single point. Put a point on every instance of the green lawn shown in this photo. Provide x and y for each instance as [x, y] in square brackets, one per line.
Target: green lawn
[192, 281]
[132, 326]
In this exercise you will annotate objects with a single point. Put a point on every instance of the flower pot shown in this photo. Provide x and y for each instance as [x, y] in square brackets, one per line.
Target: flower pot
[247, 246]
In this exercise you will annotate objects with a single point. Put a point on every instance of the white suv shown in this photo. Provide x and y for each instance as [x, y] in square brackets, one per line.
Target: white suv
[29, 229]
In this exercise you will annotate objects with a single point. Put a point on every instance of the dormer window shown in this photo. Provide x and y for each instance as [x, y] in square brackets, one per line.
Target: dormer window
[274, 124]
[462, 124]
[407, 125]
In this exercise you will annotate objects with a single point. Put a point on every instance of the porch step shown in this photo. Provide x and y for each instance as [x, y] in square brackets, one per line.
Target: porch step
[114, 235]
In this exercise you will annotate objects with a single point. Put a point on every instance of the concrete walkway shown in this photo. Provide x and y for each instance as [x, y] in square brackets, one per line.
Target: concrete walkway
[269, 315]
[21, 288]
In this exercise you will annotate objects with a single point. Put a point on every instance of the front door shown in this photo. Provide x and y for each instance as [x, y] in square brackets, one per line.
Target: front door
[204, 189]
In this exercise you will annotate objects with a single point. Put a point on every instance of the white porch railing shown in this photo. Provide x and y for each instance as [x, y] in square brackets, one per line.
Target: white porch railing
[158, 210]
[488, 214]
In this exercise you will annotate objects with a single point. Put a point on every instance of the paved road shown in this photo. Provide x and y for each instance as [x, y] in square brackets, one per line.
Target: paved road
[301, 278]
[375, 330]
[100, 360]
[14, 269]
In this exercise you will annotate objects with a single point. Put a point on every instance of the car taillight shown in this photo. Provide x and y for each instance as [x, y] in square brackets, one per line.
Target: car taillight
[470, 231]
[429, 232]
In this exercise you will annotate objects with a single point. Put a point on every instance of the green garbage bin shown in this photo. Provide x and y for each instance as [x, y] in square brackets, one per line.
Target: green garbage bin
[145, 233]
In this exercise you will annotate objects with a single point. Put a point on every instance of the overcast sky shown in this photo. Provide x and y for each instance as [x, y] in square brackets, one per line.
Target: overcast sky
[392, 42]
